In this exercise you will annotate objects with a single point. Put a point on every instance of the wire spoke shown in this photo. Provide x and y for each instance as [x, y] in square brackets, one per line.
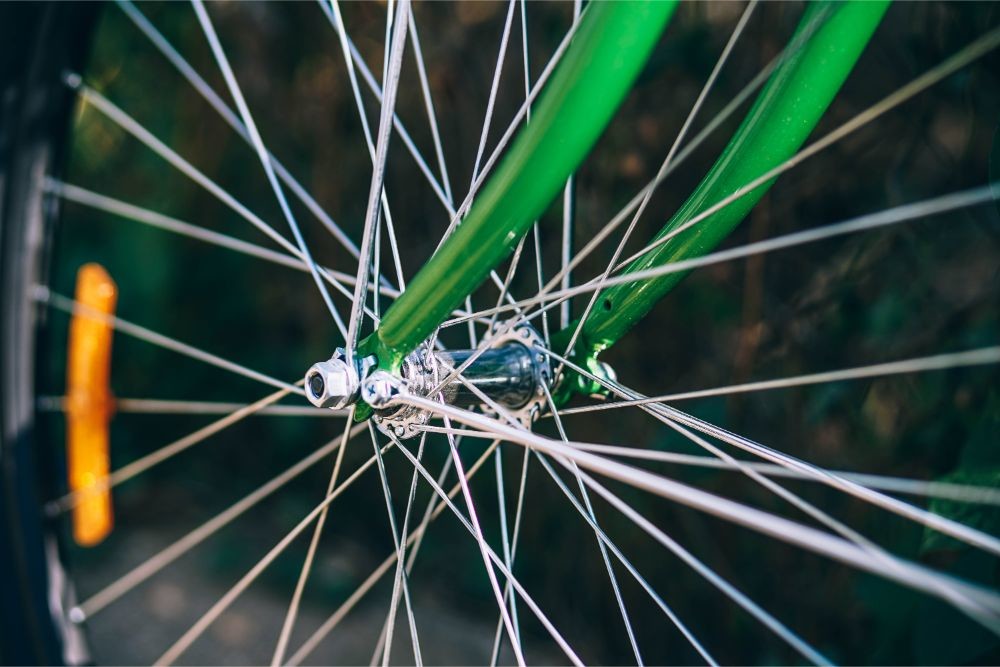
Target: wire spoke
[425, 90]
[230, 117]
[977, 357]
[963, 493]
[156, 406]
[936, 522]
[400, 581]
[952, 64]
[795, 534]
[515, 540]
[130, 125]
[494, 88]
[496, 560]
[160, 455]
[263, 155]
[394, 62]
[366, 129]
[413, 542]
[202, 624]
[164, 557]
[507, 556]
[737, 31]
[405, 566]
[505, 138]
[100, 202]
[731, 107]
[887, 217]
[597, 531]
[293, 607]
[587, 515]
[725, 587]
[485, 550]
[59, 302]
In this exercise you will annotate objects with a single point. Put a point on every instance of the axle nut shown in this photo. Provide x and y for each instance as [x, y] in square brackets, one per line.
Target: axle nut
[332, 384]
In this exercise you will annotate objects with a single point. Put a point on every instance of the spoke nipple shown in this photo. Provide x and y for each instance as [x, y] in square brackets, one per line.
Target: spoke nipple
[72, 79]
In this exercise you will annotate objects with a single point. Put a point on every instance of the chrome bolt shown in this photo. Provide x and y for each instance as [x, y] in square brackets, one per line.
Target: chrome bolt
[380, 389]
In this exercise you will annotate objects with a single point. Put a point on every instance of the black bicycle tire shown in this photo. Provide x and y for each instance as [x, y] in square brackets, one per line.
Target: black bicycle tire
[38, 41]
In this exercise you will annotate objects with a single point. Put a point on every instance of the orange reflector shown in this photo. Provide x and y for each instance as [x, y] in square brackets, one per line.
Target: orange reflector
[89, 404]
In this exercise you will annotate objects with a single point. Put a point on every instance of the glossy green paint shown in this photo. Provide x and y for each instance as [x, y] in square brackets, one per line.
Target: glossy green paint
[611, 46]
[784, 114]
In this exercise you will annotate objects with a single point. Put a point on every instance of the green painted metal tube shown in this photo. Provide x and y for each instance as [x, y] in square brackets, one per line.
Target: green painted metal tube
[784, 114]
[598, 68]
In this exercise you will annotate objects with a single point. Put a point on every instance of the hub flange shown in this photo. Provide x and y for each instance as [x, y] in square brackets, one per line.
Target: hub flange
[511, 373]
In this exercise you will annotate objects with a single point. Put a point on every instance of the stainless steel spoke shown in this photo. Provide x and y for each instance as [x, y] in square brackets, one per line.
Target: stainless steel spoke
[587, 515]
[164, 557]
[573, 468]
[160, 455]
[395, 58]
[943, 590]
[158, 406]
[100, 202]
[507, 551]
[952, 64]
[400, 581]
[484, 135]
[44, 295]
[230, 596]
[535, 231]
[366, 129]
[725, 587]
[494, 88]
[977, 357]
[963, 493]
[425, 89]
[293, 607]
[909, 574]
[413, 541]
[735, 103]
[508, 592]
[505, 288]
[497, 562]
[404, 568]
[980, 604]
[263, 155]
[130, 125]
[484, 550]
[376, 90]
[230, 117]
[737, 31]
[967, 534]
[568, 212]
[891, 216]
[505, 138]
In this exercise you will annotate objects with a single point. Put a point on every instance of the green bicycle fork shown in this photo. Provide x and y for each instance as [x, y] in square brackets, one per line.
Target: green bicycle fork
[796, 95]
[611, 45]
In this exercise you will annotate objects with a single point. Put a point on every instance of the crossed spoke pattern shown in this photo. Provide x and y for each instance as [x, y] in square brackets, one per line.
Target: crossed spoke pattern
[595, 479]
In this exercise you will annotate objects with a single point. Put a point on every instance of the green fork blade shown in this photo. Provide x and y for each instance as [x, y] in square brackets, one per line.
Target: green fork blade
[784, 114]
[607, 52]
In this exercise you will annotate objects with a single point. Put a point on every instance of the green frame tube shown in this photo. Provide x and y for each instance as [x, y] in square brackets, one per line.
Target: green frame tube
[599, 67]
[612, 43]
[794, 99]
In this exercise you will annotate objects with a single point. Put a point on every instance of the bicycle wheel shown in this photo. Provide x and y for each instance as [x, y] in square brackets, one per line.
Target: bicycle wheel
[790, 457]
